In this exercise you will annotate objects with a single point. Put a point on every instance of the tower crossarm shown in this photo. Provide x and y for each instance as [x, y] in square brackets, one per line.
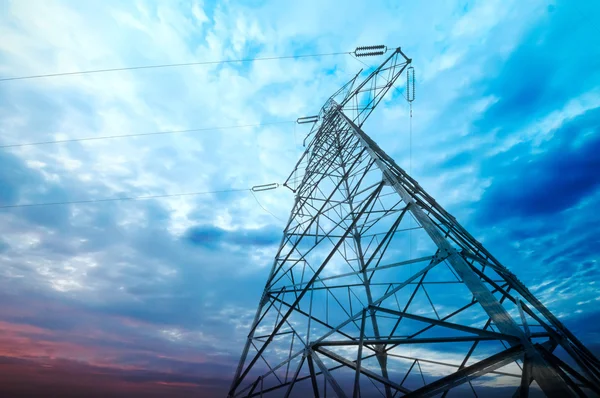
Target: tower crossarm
[356, 100]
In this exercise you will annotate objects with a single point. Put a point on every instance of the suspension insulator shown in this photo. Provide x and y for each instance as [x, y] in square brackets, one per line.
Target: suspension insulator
[307, 119]
[369, 54]
[378, 47]
[410, 84]
[265, 187]
[365, 51]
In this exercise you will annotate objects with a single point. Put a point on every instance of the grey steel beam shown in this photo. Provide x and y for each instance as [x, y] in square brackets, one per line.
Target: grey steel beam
[313, 376]
[287, 314]
[384, 380]
[397, 341]
[356, 393]
[295, 378]
[330, 379]
[571, 371]
[341, 217]
[380, 268]
[546, 376]
[468, 373]
[449, 325]
[432, 264]
[452, 365]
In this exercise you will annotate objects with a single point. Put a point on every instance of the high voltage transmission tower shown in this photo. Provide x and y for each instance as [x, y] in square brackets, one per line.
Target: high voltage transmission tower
[349, 309]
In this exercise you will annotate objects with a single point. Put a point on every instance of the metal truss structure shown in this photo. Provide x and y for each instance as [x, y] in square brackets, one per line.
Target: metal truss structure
[377, 290]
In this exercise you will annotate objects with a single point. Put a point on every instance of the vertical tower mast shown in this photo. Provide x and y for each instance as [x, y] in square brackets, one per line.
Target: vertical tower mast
[347, 309]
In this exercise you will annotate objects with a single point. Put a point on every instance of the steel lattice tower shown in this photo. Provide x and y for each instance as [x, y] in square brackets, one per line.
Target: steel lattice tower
[350, 310]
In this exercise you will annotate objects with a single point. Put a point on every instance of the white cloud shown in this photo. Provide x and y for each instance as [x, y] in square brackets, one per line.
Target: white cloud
[120, 34]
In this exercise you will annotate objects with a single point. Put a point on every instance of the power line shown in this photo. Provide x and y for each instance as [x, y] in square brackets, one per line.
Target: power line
[144, 134]
[229, 61]
[125, 198]
[73, 202]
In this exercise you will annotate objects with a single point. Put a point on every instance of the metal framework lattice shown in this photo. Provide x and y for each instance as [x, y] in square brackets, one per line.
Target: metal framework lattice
[350, 309]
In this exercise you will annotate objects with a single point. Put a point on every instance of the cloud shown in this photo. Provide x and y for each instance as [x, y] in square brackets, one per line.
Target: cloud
[211, 237]
[555, 179]
[72, 378]
[143, 287]
[15, 175]
[534, 79]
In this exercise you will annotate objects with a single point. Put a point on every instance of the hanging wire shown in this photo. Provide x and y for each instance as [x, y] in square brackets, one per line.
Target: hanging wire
[120, 199]
[410, 173]
[359, 60]
[228, 61]
[410, 73]
[107, 137]
[256, 188]
[262, 207]
[297, 156]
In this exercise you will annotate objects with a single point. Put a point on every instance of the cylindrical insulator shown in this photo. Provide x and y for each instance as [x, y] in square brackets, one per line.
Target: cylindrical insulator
[410, 84]
[265, 187]
[369, 53]
[367, 48]
[307, 119]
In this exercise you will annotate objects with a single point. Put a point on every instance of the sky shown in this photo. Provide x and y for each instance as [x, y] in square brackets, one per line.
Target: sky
[156, 296]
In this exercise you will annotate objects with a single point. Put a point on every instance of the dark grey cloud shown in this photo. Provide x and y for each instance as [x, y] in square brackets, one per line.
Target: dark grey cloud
[132, 258]
[527, 185]
[209, 236]
[66, 378]
[204, 280]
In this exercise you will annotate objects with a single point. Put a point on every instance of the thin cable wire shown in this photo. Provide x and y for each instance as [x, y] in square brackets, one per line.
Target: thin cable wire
[356, 58]
[410, 220]
[229, 61]
[144, 134]
[125, 198]
[140, 198]
[262, 207]
[410, 173]
[297, 156]
[410, 138]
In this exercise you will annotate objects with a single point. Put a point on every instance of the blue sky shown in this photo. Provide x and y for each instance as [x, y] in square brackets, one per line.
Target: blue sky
[505, 136]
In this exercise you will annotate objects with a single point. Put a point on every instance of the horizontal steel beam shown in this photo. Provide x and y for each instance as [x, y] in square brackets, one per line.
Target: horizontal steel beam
[455, 326]
[452, 365]
[397, 264]
[468, 373]
[362, 370]
[424, 340]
